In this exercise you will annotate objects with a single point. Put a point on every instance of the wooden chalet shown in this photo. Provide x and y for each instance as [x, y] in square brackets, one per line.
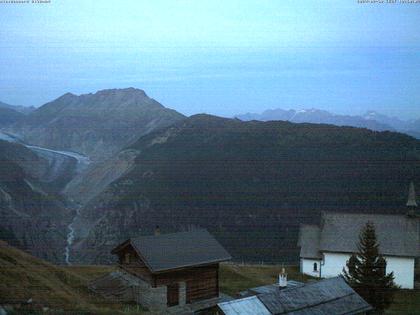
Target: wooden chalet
[173, 269]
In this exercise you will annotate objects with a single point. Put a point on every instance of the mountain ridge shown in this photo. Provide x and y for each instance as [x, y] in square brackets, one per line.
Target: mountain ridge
[19, 108]
[371, 119]
[98, 124]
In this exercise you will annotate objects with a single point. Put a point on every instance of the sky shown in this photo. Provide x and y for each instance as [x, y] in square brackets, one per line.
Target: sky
[220, 57]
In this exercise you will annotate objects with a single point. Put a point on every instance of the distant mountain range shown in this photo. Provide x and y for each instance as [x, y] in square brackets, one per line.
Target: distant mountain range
[11, 114]
[18, 108]
[370, 120]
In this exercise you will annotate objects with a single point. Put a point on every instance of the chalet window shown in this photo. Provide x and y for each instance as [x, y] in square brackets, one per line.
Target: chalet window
[315, 267]
[127, 258]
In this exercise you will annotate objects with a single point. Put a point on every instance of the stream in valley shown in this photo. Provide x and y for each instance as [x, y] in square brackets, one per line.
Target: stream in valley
[70, 238]
[55, 158]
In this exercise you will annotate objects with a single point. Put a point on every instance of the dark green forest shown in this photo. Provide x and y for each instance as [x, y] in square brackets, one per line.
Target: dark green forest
[253, 183]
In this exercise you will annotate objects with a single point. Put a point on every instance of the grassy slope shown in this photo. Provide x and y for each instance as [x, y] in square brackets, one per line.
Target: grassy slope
[235, 278]
[406, 302]
[23, 276]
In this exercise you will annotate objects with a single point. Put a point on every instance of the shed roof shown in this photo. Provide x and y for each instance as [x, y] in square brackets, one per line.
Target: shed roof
[325, 297]
[275, 287]
[398, 235]
[269, 288]
[177, 250]
[114, 284]
[246, 306]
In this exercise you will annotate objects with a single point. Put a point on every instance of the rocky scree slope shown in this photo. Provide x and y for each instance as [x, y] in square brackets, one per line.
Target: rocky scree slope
[32, 216]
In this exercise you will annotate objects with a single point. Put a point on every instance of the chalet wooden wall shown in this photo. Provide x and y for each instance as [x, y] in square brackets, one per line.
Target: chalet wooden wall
[135, 265]
[201, 282]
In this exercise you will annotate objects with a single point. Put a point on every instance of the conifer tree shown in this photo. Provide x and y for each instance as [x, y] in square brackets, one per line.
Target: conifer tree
[366, 272]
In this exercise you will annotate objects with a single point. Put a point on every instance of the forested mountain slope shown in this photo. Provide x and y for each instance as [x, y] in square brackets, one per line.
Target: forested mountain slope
[250, 183]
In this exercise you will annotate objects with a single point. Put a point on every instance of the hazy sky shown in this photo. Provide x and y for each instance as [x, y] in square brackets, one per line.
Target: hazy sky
[221, 57]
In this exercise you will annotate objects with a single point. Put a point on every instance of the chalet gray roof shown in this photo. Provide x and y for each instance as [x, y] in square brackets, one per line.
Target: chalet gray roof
[177, 250]
[326, 297]
[309, 237]
[114, 285]
[269, 288]
[245, 306]
[398, 235]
